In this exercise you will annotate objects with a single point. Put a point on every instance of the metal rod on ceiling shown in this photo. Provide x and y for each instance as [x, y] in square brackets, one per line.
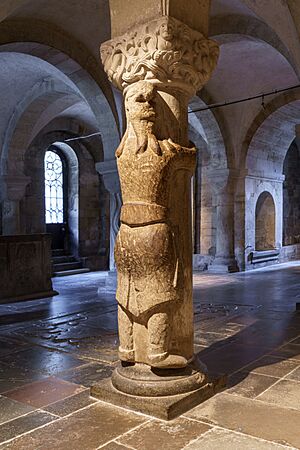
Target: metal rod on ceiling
[253, 97]
[83, 137]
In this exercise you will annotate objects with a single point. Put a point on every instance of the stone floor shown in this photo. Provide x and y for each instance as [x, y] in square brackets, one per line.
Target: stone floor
[53, 350]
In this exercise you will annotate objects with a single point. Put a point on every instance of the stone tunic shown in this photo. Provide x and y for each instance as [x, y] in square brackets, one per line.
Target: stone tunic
[146, 251]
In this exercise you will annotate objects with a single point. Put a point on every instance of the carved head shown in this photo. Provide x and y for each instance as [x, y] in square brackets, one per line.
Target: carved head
[139, 101]
[166, 31]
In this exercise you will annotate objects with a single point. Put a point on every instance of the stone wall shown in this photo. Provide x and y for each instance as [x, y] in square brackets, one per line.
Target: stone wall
[25, 267]
[290, 253]
[291, 197]
[254, 187]
[86, 200]
[265, 222]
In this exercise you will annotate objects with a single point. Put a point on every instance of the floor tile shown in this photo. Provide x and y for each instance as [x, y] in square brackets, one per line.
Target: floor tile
[114, 446]
[218, 439]
[42, 360]
[285, 393]
[21, 425]
[44, 393]
[75, 339]
[99, 349]
[164, 435]
[70, 404]
[87, 375]
[270, 365]
[10, 409]
[8, 346]
[288, 351]
[209, 338]
[230, 358]
[251, 417]
[84, 430]
[296, 341]
[13, 377]
[249, 384]
[295, 375]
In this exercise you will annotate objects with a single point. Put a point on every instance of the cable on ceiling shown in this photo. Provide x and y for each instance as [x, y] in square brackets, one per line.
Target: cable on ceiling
[253, 97]
[83, 137]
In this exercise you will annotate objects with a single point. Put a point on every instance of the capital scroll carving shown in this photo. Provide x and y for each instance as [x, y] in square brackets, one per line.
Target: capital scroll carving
[163, 50]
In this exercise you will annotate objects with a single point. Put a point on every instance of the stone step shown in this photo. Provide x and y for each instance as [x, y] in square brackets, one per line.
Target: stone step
[67, 266]
[63, 259]
[65, 273]
[58, 252]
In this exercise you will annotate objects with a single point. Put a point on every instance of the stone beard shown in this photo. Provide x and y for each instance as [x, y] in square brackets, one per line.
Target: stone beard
[147, 252]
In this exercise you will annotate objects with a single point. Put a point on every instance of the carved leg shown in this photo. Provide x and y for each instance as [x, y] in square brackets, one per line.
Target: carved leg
[126, 349]
[159, 338]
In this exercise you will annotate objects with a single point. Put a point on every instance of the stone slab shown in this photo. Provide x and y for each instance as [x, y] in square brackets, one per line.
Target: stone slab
[166, 408]
[34, 296]
[25, 267]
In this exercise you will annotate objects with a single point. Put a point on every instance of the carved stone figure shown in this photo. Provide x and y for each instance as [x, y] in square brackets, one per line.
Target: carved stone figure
[147, 255]
[158, 66]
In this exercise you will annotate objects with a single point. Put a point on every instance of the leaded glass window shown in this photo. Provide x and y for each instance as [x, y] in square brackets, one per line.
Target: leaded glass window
[54, 188]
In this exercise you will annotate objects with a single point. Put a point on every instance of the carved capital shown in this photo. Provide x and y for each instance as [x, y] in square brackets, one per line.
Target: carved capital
[164, 51]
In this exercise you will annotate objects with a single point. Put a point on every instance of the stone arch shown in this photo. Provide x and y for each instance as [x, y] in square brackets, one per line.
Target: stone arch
[261, 162]
[272, 131]
[92, 243]
[222, 28]
[94, 89]
[74, 128]
[291, 192]
[30, 106]
[265, 217]
[213, 158]
[207, 126]
[37, 31]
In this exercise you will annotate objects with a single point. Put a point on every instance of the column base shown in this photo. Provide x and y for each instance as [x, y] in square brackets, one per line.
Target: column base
[111, 280]
[165, 394]
[223, 265]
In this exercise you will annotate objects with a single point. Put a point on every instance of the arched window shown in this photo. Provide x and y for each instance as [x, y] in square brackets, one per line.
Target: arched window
[54, 188]
[265, 222]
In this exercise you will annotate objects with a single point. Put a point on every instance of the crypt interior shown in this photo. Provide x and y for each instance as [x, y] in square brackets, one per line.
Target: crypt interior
[234, 212]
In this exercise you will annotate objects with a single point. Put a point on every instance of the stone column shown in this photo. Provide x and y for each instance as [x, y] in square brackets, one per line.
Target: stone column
[12, 191]
[158, 66]
[223, 185]
[109, 172]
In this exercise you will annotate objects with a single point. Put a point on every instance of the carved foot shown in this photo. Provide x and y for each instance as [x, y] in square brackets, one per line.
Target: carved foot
[165, 361]
[126, 355]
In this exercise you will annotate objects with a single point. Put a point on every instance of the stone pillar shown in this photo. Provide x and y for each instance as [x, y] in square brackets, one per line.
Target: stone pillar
[12, 191]
[158, 66]
[223, 185]
[109, 172]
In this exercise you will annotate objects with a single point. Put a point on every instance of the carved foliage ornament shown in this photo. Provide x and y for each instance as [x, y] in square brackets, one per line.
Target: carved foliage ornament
[164, 50]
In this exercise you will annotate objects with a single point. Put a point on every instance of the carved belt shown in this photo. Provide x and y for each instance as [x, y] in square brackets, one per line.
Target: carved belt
[138, 214]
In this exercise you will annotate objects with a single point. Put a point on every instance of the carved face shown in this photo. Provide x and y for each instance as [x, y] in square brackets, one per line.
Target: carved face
[166, 31]
[139, 102]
